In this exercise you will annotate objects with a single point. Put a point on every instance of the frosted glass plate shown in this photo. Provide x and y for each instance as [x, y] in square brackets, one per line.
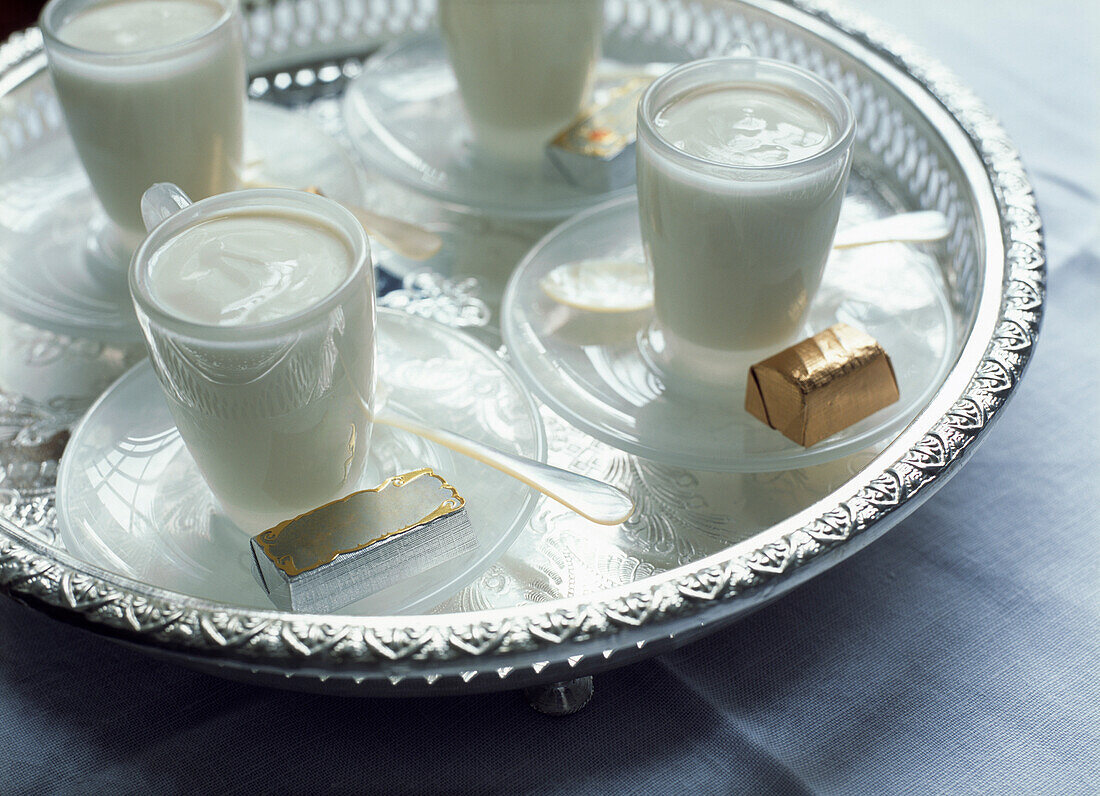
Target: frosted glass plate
[405, 116]
[594, 370]
[47, 205]
[130, 498]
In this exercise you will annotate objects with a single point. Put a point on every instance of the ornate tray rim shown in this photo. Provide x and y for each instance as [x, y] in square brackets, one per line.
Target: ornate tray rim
[514, 647]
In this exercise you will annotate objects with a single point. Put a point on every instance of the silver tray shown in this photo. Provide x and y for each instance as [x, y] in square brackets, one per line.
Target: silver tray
[563, 603]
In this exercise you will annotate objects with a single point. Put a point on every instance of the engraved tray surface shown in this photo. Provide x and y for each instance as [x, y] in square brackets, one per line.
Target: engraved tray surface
[567, 599]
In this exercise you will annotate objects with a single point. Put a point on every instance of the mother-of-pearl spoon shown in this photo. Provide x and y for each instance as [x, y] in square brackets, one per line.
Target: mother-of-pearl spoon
[594, 500]
[609, 285]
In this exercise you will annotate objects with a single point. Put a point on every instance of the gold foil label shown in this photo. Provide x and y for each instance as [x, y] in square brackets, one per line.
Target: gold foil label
[397, 505]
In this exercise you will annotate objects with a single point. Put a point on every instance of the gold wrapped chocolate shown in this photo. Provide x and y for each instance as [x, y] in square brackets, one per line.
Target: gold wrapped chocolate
[821, 385]
[360, 544]
[596, 151]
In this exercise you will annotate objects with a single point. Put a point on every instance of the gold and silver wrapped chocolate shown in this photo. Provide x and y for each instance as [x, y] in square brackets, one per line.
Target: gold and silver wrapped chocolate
[350, 548]
[596, 151]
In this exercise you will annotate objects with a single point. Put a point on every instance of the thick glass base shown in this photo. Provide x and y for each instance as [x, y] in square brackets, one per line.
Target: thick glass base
[108, 252]
[689, 364]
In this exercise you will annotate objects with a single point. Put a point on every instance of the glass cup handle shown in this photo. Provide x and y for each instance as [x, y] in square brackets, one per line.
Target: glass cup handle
[159, 202]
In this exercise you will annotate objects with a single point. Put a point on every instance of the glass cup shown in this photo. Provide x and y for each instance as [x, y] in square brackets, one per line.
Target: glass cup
[163, 108]
[737, 252]
[524, 68]
[276, 414]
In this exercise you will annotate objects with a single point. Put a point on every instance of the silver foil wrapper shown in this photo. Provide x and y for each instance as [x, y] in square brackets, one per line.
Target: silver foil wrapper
[363, 543]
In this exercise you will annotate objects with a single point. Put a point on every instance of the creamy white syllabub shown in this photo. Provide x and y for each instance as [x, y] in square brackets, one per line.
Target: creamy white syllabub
[128, 26]
[523, 67]
[152, 91]
[248, 268]
[737, 213]
[746, 124]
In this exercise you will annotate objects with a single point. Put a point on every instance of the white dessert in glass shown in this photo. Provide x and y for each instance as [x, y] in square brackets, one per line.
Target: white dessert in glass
[742, 167]
[258, 311]
[152, 90]
[524, 68]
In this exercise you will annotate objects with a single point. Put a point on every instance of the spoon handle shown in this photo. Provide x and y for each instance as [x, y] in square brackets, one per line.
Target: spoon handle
[404, 237]
[923, 226]
[407, 239]
[594, 500]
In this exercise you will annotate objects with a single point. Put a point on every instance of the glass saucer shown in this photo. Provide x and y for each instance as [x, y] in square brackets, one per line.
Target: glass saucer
[598, 370]
[130, 499]
[405, 116]
[47, 208]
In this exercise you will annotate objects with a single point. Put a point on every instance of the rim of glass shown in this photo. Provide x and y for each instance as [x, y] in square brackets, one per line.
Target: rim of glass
[51, 20]
[646, 111]
[334, 213]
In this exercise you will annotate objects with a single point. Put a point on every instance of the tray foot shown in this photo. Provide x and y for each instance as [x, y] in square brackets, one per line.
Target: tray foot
[560, 699]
